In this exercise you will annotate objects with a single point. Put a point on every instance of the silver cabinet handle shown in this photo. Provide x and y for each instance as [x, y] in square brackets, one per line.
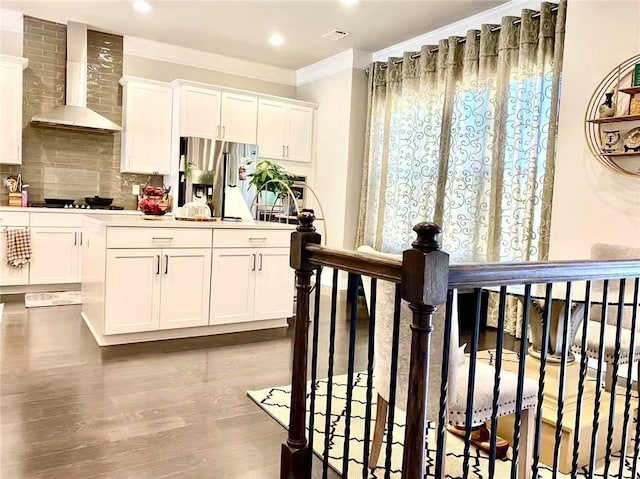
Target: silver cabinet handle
[253, 262]
[287, 151]
[163, 238]
[80, 238]
[223, 132]
[218, 131]
[262, 238]
[75, 238]
[284, 154]
[260, 267]
[166, 264]
[157, 264]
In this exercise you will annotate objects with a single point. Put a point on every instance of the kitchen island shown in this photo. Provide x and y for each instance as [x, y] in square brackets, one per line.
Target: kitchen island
[149, 280]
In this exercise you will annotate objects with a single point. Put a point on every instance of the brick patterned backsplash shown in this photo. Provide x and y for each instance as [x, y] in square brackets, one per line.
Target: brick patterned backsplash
[71, 164]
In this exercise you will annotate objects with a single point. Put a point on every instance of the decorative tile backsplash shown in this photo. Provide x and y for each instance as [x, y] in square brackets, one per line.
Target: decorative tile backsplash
[65, 163]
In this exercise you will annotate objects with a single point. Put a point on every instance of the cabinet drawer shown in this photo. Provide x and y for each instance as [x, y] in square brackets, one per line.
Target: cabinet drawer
[257, 238]
[158, 238]
[14, 218]
[68, 220]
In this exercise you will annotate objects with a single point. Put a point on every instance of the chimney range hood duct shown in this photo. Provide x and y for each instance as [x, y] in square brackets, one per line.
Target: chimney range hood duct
[75, 114]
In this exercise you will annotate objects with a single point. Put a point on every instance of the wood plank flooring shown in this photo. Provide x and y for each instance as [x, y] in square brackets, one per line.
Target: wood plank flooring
[168, 409]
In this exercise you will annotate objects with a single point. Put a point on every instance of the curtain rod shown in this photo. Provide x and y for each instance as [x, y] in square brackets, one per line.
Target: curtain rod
[463, 39]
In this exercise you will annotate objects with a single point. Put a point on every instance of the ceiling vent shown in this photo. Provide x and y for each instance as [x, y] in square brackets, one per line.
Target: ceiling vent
[335, 35]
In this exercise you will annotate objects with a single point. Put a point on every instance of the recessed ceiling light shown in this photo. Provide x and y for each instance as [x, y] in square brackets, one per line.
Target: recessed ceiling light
[141, 6]
[349, 2]
[276, 40]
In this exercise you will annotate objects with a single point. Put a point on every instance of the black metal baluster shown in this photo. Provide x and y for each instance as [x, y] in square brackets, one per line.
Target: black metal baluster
[444, 387]
[354, 280]
[524, 343]
[627, 398]
[562, 379]
[546, 320]
[370, 353]
[314, 363]
[496, 382]
[584, 359]
[332, 341]
[598, 398]
[471, 384]
[393, 372]
[614, 386]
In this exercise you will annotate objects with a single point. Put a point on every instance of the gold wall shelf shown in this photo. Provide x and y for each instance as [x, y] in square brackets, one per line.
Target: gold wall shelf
[615, 119]
[620, 161]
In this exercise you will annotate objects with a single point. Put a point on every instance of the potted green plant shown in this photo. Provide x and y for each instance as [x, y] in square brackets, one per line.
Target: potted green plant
[271, 177]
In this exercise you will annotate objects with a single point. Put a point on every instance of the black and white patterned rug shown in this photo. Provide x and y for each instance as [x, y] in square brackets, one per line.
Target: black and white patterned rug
[275, 401]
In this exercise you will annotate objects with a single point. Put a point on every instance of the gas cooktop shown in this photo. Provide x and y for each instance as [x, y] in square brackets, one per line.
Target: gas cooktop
[78, 206]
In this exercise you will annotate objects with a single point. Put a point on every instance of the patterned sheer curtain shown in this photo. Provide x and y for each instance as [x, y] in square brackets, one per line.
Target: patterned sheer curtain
[463, 133]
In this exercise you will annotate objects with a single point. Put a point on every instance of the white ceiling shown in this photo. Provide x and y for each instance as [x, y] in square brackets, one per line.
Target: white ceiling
[241, 28]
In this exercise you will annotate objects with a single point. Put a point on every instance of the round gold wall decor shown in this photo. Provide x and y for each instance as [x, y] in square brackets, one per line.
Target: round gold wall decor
[612, 124]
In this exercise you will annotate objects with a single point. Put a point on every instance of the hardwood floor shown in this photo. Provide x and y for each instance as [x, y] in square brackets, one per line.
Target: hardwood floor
[168, 409]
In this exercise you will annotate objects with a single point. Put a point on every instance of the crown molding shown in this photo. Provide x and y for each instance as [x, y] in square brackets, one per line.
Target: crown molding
[141, 47]
[459, 28]
[11, 21]
[14, 60]
[345, 60]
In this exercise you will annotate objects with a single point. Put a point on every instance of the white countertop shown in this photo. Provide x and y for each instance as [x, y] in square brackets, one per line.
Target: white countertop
[170, 222]
[81, 211]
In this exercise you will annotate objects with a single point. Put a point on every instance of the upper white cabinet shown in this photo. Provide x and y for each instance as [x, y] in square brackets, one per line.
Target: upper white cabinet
[11, 110]
[239, 118]
[146, 126]
[199, 112]
[285, 131]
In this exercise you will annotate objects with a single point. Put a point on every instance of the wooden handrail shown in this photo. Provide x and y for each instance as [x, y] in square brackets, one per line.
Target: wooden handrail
[474, 275]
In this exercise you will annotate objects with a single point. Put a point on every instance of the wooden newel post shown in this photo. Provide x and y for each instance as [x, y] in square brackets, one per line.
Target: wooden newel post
[425, 275]
[295, 458]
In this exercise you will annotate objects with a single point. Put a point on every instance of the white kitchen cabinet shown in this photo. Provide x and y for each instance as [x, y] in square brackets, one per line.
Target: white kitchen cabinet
[10, 275]
[232, 285]
[55, 255]
[146, 126]
[239, 118]
[273, 284]
[199, 112]
[11, 111]
[132, 295]
[285, 131]
[149, 289]
[272, 129]
[185, 288]
[250, 284]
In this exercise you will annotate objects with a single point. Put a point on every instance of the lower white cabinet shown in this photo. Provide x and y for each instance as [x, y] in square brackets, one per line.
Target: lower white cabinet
[151, 289]
[55, 255]
[250, 284]
[10, 275]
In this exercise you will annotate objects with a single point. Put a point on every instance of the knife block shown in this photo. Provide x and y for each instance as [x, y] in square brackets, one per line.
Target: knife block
[15, 199]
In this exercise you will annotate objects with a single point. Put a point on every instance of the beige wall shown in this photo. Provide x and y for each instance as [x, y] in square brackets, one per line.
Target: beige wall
[168, 71]
[333, 95]
[590, 203]
[10, 43]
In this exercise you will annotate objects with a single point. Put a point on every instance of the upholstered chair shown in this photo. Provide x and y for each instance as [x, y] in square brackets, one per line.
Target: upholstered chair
[605, 251]
[458, 375]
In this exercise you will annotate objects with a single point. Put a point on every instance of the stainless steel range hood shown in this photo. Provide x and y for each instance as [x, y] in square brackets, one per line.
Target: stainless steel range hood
[75, 114]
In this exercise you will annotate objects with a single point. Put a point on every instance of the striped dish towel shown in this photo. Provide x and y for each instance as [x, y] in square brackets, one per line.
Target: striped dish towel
[18, 246]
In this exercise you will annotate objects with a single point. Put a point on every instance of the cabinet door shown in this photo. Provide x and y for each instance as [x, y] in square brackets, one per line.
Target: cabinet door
[232, 285]
[132, 296]
[300, 133]
[55, 255]
[274, 284]
[185, 288]
[10, 275]
[239, 118]
[199, 112]
[272, 125]
[10, 113]
[146, 136]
